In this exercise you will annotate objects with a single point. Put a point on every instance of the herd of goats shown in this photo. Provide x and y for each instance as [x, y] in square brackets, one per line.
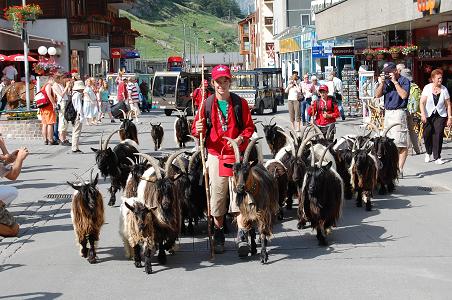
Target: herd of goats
[159, 194]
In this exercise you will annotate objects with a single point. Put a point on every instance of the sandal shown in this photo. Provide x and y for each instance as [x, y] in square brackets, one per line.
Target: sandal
[46, 142]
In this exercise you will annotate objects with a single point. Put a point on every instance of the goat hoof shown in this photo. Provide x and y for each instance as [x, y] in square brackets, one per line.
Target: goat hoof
[111, 202]
[161, 258]
[148, 269]
[92, 260]
[138, 264]
[368, 206]
[264, 257]
[323, 242]
[84, 253]
[299, 225]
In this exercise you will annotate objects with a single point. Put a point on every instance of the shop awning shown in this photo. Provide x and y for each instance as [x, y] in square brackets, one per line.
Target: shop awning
[124, 53]
[14, 41]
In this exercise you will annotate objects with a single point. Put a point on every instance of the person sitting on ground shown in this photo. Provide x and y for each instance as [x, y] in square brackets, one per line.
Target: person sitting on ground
[10, 168]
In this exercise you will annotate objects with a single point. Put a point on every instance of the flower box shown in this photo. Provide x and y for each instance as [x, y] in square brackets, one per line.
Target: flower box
[21, 14]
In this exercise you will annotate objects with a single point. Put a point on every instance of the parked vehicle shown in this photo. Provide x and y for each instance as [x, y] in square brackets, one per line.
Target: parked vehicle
[261, 88]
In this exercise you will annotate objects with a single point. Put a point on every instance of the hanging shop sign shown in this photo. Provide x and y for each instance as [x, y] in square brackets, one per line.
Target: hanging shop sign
[343, 51]
[445, 28]
[397, 37]
[318, 52]
[290, 45]
[328, 47]
[115, 53]
[428, 6]
[375, 41]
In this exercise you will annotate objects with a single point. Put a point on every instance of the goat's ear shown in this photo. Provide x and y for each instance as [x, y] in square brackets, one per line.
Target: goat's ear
[128, 205]
[252, 163]
[75, 187]
[392, 140]
[151, 123]
[327, 166]
[159, 124]
[94, 150]
[228, 165]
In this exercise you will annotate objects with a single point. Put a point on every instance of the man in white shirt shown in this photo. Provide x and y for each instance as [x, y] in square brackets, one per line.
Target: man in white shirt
[3, 88]
[10, 72]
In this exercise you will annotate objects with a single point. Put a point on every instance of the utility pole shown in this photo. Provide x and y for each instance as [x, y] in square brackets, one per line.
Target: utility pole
[184, 48]
[189, 46]
[27, 72]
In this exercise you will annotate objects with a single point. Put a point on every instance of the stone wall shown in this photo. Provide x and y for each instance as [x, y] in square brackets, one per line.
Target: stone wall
[21, 129]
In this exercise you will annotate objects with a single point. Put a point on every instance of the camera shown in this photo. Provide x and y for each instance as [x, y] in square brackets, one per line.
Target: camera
[387, 76]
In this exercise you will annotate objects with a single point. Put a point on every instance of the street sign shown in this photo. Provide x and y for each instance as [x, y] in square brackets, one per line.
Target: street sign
[328, 47]
[338, 51]
[94, 55]
[318, 52]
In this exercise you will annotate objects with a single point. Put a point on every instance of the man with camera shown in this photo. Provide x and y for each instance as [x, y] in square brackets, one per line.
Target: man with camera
[395, 89]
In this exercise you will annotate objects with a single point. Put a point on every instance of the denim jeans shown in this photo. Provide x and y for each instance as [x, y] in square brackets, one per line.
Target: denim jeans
[304, 107]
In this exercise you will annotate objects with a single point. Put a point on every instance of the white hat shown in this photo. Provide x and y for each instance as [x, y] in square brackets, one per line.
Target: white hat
[78, 85]
[313, 77]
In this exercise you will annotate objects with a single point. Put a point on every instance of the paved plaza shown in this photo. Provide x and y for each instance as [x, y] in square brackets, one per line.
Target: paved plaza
[399, 250]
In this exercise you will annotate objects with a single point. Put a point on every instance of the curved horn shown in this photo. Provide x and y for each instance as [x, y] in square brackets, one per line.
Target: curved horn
[324, 153]
[317, 129]
[328, 132]
[185, 111]
[257, 122]
[129, 115]
[181, 164]
[124, 114]
[170, 160]
[290, 141]
[271, 120]
[303, 130]
[91, 175]
[235, 147]
[295, 135]
[154, 163]
[100, 142]
[191, 161]
[312, 156]
[304, 143]
[249, 148]
[108, 139]
[180, 113]
[389, 128]
[306, 132]
[131, 160]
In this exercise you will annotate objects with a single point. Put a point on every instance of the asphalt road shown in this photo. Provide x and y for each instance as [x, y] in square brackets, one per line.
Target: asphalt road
[399, 250]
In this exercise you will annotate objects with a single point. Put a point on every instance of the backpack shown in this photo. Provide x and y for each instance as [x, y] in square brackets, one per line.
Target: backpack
[236, 104]
[414, 98]
[70, 114]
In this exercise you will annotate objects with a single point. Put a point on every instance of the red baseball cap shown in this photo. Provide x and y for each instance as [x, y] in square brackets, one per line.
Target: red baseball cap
[221, 71]
[323, 88]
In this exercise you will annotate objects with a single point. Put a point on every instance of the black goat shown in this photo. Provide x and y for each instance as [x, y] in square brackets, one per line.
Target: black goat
[323, 192]
[87, 214]
[157, 191]
[181, 129]
[279, 172]
[114, 163]
[129, 129]
[275, 139]
[387, 155]
[157, 135]
[257, 196]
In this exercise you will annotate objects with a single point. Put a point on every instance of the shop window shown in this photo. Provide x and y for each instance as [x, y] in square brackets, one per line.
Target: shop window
[305, 19]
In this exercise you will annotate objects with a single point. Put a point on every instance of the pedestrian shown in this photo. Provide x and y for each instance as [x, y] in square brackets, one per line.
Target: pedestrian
[413, 108]
[4, 87]
[436, 112]
[77, 102]
[395, 89]
[61, 90]
[324, 112]
[10, 168]
[10, 72]
[48, 114]
[90, 107]
[144, 91]
[122, 94]
[103, 96]
[337, 93]
[134, 99]
[223, 124]
[293, 91]
[307, 88]
[197, 94]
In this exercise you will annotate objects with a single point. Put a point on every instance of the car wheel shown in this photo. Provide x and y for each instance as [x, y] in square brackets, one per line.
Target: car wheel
[168, 112]
[275, 106]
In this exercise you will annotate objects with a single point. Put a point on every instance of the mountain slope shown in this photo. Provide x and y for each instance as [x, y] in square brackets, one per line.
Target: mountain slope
[161, 24]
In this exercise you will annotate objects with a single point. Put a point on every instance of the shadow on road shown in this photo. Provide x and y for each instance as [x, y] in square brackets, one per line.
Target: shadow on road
[34, 296]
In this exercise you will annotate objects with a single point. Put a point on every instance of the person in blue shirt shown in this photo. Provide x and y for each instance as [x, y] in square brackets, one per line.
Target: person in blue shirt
[395, 89]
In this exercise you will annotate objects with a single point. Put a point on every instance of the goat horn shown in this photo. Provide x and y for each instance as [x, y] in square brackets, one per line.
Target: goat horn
[170, 160]
[154, 163]
[295, 136]
[129, 115]
[180, 113]
[91, 175]
[191, 161]
[324, 153]
[389, 128]
[306, 132]
[317, 129]
[235, 147]
[271, 120]
[124, 114]
[373, 127]
[79, 178]
[303, 130]
[312, 156]
[290, 141]
[185, 111]
[304, 143]
[181, 164]
[328, 132]
[249, 148]
[108, 139]
[257, 122]
[194, 138]
[100, 142]
[131, 160]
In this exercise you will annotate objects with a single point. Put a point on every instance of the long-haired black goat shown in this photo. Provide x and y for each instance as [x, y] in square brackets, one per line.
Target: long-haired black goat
[114, 163]
[87, 214]
[157, 191]
[181, 129]
[323, 193]
[129, 129]
[157, 135]
[257, 196]
[275, 139]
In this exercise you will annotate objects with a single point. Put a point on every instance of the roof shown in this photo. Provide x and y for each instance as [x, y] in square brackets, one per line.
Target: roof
[15, 42]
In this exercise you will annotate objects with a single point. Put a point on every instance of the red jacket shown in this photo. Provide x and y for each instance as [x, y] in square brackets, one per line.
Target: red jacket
[197, 96]
[122, 89]
[215, 141]
[316, 110]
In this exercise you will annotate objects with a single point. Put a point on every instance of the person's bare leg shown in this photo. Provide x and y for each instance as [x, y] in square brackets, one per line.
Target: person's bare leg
[50, 133]
[403, 153]
[44, 132]
[218, 222]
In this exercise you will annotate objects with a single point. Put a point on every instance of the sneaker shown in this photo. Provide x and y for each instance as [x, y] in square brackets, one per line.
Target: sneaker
[77, 151]
[112, 121]
[243, 247]
[66, 143]
[53, 143]
[427, 157]
[439, 161]
[218, 240]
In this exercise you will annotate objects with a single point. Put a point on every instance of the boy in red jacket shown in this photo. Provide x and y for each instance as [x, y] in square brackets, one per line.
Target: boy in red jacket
[324, 112]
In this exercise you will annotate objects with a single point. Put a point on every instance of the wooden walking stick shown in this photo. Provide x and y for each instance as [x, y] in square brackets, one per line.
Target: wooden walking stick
[206, 175]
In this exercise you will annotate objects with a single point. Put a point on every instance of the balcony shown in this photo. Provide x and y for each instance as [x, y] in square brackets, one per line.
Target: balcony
[120, 25]
[89, 29]
[121, 4]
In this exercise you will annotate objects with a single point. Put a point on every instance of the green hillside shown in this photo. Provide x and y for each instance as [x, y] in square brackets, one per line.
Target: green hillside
[162, 30]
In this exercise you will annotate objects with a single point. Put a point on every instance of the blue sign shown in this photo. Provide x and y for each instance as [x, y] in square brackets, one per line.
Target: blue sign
[318, 52]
